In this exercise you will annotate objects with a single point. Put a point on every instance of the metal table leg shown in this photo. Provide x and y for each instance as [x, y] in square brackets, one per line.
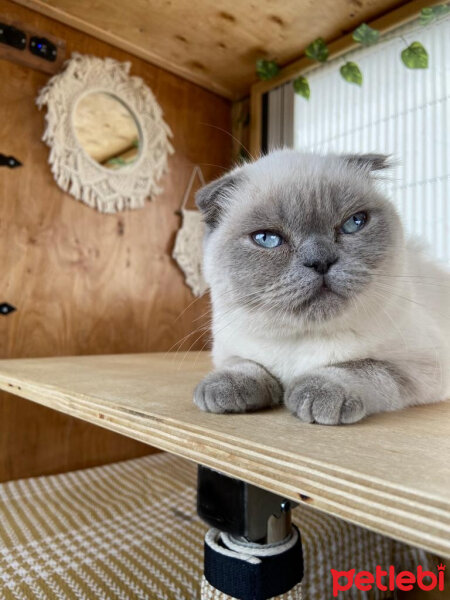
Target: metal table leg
[252, 552]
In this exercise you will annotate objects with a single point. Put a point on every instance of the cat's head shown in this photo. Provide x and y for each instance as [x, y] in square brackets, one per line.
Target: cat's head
[299, 234]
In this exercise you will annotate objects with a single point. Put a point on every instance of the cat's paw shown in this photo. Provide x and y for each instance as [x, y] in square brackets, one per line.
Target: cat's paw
[321, 399]
[236, 392]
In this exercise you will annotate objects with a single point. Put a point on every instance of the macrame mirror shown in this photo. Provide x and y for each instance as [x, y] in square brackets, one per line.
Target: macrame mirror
[108, 141]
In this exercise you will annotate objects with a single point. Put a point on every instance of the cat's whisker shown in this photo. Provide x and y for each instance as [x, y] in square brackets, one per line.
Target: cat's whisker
[393, 291]
[188, 350]
[242, 300]
[408, 275]
[202, 348]
[191, 304]
[394, 324]
[198, 338]
[231, 136]
[180, 341]
[417, 279]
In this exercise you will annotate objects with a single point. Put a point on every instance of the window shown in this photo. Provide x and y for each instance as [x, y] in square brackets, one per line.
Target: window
[397, 111]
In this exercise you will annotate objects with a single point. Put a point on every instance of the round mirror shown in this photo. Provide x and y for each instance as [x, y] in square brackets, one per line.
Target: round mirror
[107, 130]
[109, 142]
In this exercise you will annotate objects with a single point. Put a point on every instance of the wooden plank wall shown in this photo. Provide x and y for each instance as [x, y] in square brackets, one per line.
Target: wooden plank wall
[85, 282]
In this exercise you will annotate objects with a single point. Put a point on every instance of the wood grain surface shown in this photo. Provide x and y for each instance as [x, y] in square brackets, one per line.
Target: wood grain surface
[389, 473]
[25, 57]
[214, 44]
[85, 282]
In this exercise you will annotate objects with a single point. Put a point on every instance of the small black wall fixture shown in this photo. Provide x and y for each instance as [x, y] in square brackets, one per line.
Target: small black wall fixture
[11, 36]
[9, 161]
[6, 309]
[44, 48]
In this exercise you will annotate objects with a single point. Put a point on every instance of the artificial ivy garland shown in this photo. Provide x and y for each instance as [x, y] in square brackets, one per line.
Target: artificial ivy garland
[317, 50]
[413, 56]
[266, 69]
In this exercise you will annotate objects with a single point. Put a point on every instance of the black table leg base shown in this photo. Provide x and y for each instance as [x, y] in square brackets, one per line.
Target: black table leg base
[241, 570]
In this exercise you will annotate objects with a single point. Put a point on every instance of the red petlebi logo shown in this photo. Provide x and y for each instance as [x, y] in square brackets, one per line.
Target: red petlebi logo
[388, 580]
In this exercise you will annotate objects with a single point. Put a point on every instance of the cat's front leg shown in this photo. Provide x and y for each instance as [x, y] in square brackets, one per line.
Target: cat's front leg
[238, 386]
[347, 392]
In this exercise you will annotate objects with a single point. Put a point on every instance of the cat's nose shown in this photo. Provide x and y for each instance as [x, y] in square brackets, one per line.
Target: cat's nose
[320, 266]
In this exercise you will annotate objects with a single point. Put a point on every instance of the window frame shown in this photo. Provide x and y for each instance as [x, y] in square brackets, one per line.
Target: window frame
[303, 65]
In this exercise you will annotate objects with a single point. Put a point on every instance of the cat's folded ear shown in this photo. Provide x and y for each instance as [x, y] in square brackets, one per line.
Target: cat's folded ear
[212, 198]
[368, 162]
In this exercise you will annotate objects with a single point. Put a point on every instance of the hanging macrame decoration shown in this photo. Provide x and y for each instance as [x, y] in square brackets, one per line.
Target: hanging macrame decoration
[188, 249]
[108, 141]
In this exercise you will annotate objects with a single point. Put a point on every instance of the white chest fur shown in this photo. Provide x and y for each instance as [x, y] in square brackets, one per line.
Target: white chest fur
[412, 326]
[286, 356]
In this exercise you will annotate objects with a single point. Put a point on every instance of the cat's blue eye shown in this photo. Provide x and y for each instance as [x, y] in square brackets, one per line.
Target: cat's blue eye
[267, 239]
[355, 223]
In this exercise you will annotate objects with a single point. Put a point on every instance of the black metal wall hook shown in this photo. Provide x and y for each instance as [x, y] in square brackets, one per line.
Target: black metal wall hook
[9, 161]
[6, 308]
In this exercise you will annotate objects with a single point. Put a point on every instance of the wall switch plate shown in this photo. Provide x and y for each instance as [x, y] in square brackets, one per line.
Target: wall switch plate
[12, 36]
[30, 47]
[43, 48]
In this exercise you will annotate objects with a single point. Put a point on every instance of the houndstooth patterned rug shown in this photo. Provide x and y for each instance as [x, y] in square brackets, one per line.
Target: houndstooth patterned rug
[130, 530]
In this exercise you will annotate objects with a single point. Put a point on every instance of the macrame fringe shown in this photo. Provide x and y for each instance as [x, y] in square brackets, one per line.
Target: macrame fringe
[188, 248]
[74, 171]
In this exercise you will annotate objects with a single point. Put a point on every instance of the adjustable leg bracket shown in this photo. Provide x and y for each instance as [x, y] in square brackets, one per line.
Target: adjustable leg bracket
[252, 552]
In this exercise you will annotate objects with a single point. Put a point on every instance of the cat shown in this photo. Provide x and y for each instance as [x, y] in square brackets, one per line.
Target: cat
[318, 301]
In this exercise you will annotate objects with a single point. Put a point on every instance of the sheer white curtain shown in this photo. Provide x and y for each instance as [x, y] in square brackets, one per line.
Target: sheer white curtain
[280, 117]
[397, 111]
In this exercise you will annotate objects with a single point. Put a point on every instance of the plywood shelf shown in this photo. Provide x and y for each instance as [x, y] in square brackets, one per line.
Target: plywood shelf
[388, 473]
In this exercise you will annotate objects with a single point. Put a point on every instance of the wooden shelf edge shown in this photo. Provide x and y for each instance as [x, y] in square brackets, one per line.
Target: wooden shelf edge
[384, 513]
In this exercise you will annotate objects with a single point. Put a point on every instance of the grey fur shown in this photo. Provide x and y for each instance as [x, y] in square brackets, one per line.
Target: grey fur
[305, 208]
[371, 369]
[322, 399]
[279, 322]
[369, 162]
[344, 392]
[242, 386]
[212, 198]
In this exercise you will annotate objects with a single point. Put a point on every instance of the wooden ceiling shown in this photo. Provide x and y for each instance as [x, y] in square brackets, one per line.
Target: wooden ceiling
[213, 43]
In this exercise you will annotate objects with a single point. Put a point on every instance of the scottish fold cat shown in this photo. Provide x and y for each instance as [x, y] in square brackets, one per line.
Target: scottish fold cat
[318, 301]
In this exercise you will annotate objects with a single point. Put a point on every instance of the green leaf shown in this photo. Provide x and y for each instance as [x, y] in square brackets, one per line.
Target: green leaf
[426, 16]
[301, 87]
[266, 69]
[244, 156]
[116, 160]
[441, 9]
[317, 50]
[433, 12]
[351, 73]
[366, 35]
[415, 56]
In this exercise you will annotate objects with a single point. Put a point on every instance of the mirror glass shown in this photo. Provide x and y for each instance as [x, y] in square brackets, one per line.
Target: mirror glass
[107, 130]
